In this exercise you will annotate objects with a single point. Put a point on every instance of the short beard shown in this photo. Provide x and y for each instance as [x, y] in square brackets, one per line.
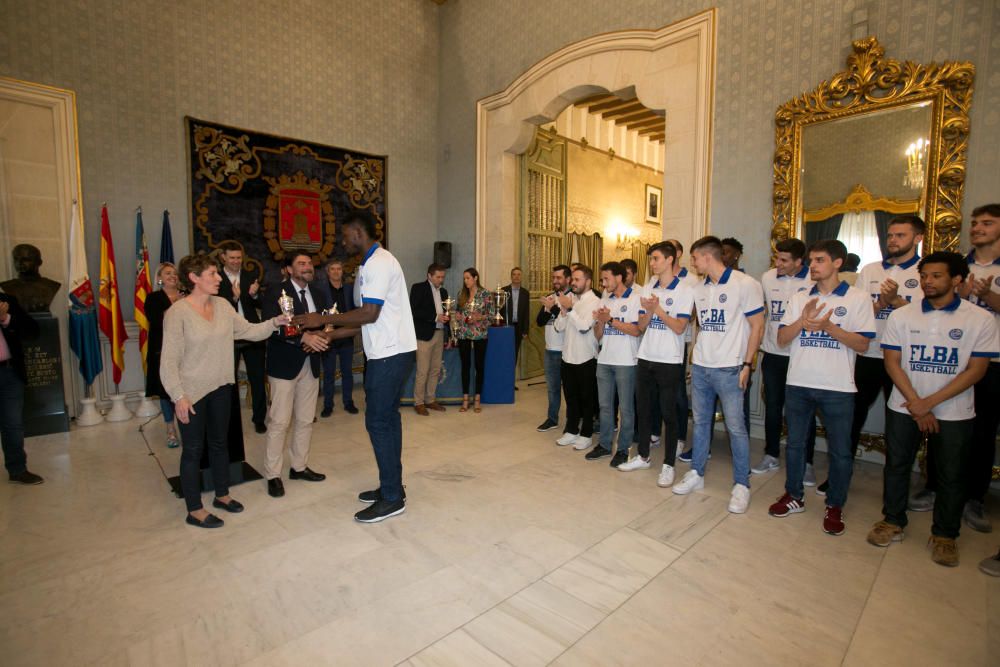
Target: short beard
[898, 253]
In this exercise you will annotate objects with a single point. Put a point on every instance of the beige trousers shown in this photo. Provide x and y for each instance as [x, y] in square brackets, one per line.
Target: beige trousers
[428, 368]
[290, 397]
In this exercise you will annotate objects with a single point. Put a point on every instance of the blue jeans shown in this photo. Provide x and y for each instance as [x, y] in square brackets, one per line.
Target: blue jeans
[345, 357]
[622, 378]
[836, 409]
[167, 408]
[12, 421]
[553, 382]
[683, 405]
[724, 383]
[384, 380]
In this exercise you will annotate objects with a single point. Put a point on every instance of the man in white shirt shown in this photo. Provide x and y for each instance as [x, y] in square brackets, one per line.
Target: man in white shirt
[430, 322]
[789, 275]
[666, 312]
[892, 284]
[616, 327]
[935, 351]
[547, 316]
[579, 358]
[826, 328]
[731, 319]
[390, 346]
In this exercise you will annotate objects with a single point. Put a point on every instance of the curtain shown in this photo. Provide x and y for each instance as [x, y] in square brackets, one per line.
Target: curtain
[882, 219]
[823, 229]
[858, 232]
[640, 256]
[589, 250]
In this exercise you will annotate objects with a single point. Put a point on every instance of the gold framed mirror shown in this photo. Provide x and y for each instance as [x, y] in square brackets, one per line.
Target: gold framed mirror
[897, 128]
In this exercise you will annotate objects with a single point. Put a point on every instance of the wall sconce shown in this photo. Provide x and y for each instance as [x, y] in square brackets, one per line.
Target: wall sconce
[625, 238]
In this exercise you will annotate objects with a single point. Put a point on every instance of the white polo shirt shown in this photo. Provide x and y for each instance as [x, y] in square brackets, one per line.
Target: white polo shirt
[579, 343]
[659, 342]
[617, 347]
[723, 310]
[554, 338]
[870, 280]
[778, 290]
[381, 281]
[981, 272]
[818, 360]
[935, 345]
[692, 280]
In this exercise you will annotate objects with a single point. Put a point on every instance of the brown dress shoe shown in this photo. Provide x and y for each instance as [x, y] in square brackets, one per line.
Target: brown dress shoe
[436, 406]
[421, 410]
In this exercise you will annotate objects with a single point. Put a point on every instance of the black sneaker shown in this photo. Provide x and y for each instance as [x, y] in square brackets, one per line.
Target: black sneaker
[380, 511]
[619, 458]
[374, 495]
[597, 452]
[26, 477]
[351, 409]
[686, 456]
[546, 425]
[822, 488]
[326, 412]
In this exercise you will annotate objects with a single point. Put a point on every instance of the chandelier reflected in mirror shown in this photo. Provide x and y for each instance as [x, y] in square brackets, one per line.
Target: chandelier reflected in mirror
[916, 153]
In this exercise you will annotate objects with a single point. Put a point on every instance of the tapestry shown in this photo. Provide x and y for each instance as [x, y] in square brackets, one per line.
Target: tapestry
[273, 195]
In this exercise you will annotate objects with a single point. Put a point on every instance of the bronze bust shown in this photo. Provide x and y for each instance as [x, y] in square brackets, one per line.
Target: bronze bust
[33, 292]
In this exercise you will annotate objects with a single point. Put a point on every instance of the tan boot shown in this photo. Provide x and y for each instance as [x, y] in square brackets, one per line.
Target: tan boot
[944, 551]
[884, 533]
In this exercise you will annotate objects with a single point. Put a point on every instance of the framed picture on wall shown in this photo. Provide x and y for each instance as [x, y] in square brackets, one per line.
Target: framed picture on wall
[654, 204]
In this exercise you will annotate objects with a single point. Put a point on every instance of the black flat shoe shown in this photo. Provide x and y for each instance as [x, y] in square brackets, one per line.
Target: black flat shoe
[260, 427]
[307, 475]
[26, 477]
[233, 506]
[275, 488]
[210, 521]
[351, 408]
[326, 412]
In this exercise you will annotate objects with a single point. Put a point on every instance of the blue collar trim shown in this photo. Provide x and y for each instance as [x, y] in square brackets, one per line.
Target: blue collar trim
[839, 290]
[723, 280]
[683, 273]
[371, 251]
[624, 295]
[926, 307]
[672, 285]
[905, 265]
[971, 258]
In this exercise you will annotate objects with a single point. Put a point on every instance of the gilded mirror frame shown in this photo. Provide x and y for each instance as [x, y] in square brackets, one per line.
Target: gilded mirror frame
[872, 83]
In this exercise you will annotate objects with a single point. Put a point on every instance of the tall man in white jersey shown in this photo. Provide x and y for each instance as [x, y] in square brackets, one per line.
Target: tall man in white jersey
[579, 358]
[789, 275]
[891, 283]
[825, 328]
[935, 351]
[666, 312]
[548, 313]
[731, 319]
[390, 345]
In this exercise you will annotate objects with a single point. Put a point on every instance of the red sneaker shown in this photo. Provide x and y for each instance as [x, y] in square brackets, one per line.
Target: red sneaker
[786, 505]
[833, 521]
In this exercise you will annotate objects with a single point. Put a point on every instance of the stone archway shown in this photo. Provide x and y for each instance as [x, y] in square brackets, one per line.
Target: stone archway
[672, 68]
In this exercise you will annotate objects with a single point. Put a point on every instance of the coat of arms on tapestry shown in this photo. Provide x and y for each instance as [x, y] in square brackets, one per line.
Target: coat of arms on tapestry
[275, 195]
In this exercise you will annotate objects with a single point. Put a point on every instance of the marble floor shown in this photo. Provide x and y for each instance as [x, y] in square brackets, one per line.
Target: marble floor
[512, 551]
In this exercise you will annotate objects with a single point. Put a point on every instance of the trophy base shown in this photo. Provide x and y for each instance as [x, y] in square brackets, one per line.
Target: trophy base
[290, 330]
[498, 322]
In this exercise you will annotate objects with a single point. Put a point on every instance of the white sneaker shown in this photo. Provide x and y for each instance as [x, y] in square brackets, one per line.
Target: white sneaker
[740, 499]
[691, 481]
[809, 478]
[666, 477]
[767, 464]
[581, 443]
[634, 463]
[566, 439]
[654, 441]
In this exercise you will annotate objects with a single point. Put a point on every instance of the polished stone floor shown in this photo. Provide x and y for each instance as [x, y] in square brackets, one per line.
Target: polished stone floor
[512, 550]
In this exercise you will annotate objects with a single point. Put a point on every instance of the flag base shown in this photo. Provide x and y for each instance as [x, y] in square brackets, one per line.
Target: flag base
[89, 416]
[147, 407]
[119, 411]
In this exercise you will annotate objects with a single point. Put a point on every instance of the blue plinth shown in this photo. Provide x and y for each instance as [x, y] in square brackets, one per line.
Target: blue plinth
[498, 380]
[449, 389]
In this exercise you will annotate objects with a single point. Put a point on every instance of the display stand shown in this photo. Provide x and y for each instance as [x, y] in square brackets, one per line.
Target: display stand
[44, 399]
[498, 379]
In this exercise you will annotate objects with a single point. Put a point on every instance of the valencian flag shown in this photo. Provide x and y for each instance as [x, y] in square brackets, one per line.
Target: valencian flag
[82, 311]
[166, 241]
[112, 324]
[143, 285]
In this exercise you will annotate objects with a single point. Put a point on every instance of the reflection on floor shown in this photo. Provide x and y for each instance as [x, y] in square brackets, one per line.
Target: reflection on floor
[512, 550]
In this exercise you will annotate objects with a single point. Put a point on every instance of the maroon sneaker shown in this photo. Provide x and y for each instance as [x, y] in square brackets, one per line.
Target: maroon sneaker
[786, 505]
[833, 521]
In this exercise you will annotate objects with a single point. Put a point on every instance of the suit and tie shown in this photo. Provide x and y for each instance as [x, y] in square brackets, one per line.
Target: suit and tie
[16, 326]
[517, 314]
[252, 352]
[426, 303]
[293, 375]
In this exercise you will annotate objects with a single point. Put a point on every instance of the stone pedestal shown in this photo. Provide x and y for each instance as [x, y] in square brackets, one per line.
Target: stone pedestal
[119, 412]
[44, 399]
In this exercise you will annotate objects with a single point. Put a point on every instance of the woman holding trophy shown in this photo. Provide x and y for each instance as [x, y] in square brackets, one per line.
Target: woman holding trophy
[472, 324]
[196, 369]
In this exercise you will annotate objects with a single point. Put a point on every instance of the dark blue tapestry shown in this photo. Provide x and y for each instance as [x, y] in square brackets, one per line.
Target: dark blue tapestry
[273, 195]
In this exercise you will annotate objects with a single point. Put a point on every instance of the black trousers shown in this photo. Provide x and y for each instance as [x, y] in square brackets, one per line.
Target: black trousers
[774, 371]
[253, 358]
[979, 471]
[208, 426]
[870, 377]
[467, 351]
[683, 406]
[949, 450]
[579, 383]
[12, 421]
[657, 382]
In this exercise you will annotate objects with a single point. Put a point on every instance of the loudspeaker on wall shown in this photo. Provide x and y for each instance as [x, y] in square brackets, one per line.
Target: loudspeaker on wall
[442, 253]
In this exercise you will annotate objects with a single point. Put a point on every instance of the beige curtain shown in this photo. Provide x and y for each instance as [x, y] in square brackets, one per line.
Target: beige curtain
[589, 249]
[640, 256]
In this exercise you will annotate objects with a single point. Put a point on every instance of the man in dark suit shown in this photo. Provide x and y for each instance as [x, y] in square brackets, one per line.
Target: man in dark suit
[15, 327]
[516, 312]
[242, 291]
[293, 374]
[341, 293]
[430, 321]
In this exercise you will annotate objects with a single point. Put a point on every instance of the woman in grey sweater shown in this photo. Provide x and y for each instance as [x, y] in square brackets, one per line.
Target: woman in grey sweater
[196, 369]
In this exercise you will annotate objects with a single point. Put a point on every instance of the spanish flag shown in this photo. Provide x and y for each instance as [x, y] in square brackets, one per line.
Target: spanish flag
[143, 285]
[110, 313]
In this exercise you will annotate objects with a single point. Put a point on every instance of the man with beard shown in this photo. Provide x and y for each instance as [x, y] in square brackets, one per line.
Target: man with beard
[579, 358]
[547, 316]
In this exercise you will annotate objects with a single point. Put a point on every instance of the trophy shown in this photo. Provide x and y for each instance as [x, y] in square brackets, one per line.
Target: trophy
[329, 311]
[287, 307]
[449, 306]
[499, 303]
